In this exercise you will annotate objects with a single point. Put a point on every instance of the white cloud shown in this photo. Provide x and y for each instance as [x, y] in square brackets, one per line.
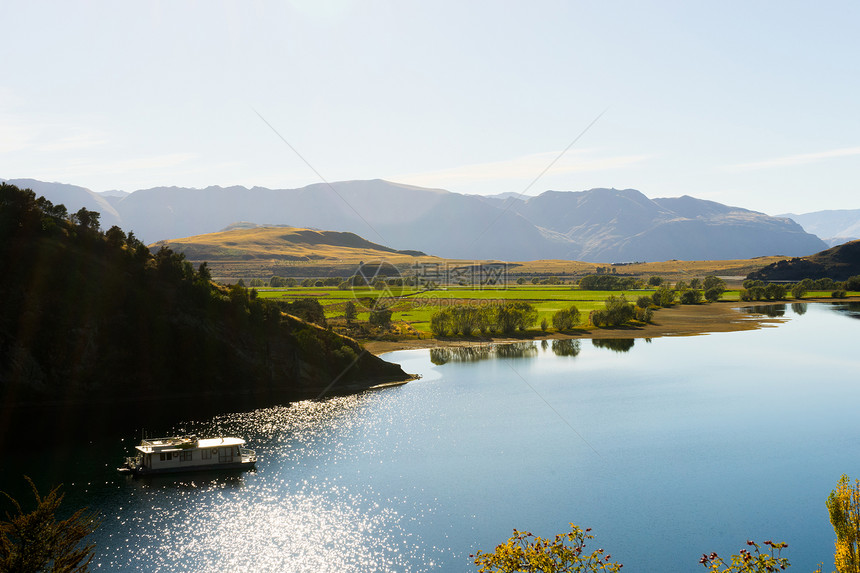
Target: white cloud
[800, 159]
[526, 167]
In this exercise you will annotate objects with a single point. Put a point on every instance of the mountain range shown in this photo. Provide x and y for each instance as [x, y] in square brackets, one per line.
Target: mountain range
[598, 225]
[835, 227]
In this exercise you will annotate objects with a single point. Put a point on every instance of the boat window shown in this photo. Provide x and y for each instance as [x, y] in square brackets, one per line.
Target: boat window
[164, 457]
[206, 454]
[185, 456]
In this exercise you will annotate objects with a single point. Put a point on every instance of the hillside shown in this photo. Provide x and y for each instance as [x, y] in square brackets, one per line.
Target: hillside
[599, 225]
[838, 263]
[284, 243]
[95, 320]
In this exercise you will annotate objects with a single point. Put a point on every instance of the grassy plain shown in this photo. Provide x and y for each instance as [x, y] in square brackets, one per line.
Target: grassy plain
[413, 308]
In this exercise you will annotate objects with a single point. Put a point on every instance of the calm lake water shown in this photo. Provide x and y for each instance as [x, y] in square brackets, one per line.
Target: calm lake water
[667, 449]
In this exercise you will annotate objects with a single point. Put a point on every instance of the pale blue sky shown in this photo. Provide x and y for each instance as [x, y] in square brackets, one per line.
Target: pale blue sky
[754, 104]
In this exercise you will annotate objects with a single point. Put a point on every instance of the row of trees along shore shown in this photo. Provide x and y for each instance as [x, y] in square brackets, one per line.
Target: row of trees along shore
[37, 541]
[508, 317]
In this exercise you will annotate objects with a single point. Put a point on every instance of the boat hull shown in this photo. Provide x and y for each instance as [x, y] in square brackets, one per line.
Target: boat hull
[144, 471]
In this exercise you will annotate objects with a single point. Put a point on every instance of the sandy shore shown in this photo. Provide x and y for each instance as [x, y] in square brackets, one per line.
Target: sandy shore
[679, 320]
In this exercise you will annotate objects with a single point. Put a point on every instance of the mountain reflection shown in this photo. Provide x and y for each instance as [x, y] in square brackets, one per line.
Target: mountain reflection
[614, 344]
[441, 356]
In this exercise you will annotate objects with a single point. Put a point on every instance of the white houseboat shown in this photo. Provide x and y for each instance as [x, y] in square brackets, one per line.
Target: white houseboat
[188, 453]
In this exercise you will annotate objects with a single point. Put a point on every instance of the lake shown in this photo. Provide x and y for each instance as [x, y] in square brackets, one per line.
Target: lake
[667, 448]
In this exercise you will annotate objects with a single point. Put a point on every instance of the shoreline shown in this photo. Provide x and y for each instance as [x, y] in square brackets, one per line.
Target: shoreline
[679, 320]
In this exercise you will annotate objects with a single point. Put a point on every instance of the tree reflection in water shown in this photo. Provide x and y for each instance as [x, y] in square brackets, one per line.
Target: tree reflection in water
[566, 347]
[851, 309]
[799, 308]
[614, 344]
[441, 356]
[771, 310]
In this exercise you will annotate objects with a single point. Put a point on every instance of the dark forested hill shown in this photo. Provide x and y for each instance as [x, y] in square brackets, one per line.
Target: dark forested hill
[838, 263]
[93, 318]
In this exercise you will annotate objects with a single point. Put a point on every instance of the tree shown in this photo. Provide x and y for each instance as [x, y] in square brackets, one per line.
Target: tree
[36, 541]
[349, 311]
[380, 316]
[691, 297]
[749, 561]
[617, 311]
[714, 288]
[713, 294]
[564, 553]
[798, 290]
[843, 503]
[566, 318]
[87, 219]
[440, 323]
[774, 291]
[664, 297]
[115, 237]
[655, 281]
[544, 324]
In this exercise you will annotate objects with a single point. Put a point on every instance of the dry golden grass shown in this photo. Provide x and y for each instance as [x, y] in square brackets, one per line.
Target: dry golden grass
[290, 251]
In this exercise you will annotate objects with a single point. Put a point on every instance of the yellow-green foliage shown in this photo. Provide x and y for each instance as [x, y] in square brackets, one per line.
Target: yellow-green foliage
[844, 507]
[526, 552]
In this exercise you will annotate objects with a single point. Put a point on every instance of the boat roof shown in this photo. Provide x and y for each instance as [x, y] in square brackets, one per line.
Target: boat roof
[184, 443]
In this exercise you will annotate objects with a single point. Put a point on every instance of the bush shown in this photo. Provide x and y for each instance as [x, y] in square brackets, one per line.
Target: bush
[775, 291]
[713, 294]
[838, 294]
[691, 297]
[380, 316]
[617, 312]
[566, 318]
[663, 297]
[643, 314]
[644, 301]
[799, 290]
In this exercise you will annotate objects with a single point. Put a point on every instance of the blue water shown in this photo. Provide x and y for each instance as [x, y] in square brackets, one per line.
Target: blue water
[667, 449]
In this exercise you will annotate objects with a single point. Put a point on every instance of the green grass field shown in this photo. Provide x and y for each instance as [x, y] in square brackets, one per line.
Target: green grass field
[416, 307]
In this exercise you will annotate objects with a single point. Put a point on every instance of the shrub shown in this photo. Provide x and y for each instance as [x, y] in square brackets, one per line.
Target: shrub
[663, 297]
[691, 297]
[713, 294]
[643, 314]
[838, 294]
[799, 290]
[566, 318]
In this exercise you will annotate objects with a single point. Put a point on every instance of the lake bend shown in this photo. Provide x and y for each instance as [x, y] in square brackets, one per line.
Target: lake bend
[667, 448]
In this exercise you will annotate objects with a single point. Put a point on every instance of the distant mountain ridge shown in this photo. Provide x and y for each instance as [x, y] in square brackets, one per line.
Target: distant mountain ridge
[835, 227]
[599, 225]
